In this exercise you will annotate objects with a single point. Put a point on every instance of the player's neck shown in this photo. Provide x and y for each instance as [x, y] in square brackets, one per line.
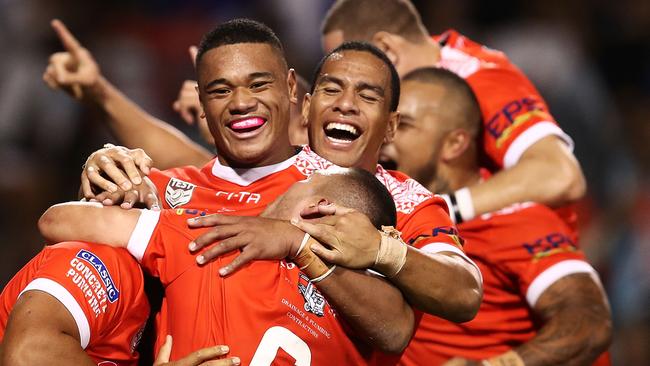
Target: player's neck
[460, 175]
[278, 156]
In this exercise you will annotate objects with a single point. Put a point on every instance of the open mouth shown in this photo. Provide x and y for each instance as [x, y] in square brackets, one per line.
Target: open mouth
[246, 124]
[342, 133]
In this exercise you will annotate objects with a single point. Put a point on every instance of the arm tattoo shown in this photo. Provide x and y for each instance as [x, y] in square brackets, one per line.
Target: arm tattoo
[576, 324]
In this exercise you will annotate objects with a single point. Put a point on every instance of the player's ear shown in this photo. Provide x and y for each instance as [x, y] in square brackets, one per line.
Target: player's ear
[293, 86]
[389, 44]
[456, 144]
[202, 114]
[306, 103]
[393, 122]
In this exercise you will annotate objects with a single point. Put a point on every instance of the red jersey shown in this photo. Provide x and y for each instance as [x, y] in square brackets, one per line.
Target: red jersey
[422, 218]
[521, 251]
[263, 308]
[514, 114]
[100, 286]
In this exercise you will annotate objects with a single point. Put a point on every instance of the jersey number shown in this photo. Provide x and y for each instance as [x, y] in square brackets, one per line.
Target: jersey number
[280, 337]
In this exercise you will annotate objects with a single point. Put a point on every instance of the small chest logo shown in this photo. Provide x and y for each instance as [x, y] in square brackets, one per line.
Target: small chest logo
[178, 192]
[314, 301]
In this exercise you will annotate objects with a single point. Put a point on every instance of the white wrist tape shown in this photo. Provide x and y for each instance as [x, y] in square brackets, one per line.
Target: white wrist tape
[324, 275]
[391, 255]
[465, 204]
[302, 244]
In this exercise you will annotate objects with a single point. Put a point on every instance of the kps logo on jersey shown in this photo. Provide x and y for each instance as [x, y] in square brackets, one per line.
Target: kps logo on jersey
[178, 192]
[314, 301]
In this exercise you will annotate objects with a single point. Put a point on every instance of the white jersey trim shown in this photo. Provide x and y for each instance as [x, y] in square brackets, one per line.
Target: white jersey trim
[433, 248]
[555, 272]
[530, 136]
[141, 235]
[69, 302]
[246, 177]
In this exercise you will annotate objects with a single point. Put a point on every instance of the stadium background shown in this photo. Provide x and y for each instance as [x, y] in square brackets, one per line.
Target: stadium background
[590, 60]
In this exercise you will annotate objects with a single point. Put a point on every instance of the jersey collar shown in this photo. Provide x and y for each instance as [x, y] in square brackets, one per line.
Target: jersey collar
[245, 177]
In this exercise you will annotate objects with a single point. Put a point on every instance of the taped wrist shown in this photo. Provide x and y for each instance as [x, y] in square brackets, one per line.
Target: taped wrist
[391, 255]
[510, 358]
[309, 263]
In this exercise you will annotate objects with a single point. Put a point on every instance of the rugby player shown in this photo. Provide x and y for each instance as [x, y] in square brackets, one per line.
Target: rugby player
[520, 137]
[372, 91]
[267, 306]
[78, 303]
[543, 302]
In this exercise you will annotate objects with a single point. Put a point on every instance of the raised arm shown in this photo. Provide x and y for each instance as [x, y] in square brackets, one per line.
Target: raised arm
[41, 331]
[76, 72]
[88, 221]
[547, 173]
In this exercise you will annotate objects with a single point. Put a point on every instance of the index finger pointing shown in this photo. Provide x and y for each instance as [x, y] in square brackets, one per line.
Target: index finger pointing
[69, 42]
[193, 52]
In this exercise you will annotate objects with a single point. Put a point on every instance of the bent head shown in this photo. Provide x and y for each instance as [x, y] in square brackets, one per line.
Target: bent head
[352, 110]
[353, 188]
[394, 26]
[246, 91]
[439, 127]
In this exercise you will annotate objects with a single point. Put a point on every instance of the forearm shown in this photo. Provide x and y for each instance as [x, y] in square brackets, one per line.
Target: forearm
[135, 128]
[575, 331]
[546, 173]
[446, 286]
[373, 307]
[87, 221]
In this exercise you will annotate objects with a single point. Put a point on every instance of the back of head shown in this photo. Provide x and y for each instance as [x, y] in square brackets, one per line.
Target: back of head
[360, 190]
[459, 96]
[237, 31]
[369, 48]
[362, 19]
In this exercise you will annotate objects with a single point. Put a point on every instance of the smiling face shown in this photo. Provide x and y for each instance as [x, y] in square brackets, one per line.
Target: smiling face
[349, 112]
[246, 93]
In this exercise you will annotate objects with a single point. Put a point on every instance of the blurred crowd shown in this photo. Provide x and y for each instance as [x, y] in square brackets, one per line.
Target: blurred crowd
[590, 60]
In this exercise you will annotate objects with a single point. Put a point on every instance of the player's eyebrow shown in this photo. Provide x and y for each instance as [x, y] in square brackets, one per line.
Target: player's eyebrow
[367, 86]
[251, 76]
[330, 79]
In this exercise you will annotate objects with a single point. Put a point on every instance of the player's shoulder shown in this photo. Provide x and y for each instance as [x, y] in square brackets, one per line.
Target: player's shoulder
[525, 220]
[466, 57]
[407, 193]
[307, 162]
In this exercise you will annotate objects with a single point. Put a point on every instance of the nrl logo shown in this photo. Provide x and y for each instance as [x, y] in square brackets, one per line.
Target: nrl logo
[178, 192]
[314, 301]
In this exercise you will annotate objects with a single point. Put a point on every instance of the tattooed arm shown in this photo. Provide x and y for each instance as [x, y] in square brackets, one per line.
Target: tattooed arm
[576, 327]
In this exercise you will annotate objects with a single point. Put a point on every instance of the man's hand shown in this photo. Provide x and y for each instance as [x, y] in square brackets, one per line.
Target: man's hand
[258, 238]
[202, 357]
[142, 195]
[74, 71]
[349, 238]
[189, 106]
[120, 166]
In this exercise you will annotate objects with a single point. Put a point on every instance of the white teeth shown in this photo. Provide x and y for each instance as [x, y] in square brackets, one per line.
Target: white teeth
[343, 127]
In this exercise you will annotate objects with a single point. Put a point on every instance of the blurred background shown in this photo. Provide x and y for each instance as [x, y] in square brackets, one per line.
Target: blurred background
[590, 60]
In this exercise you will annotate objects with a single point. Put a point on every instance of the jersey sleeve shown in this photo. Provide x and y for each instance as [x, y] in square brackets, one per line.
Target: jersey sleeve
[514, 114]
[539, 253]
[95, 283]
[160, 242]
[429, 228]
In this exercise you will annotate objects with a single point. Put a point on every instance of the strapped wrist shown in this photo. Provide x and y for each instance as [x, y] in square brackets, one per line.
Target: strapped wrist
[309, 263]
[391, 255]
[510, 358]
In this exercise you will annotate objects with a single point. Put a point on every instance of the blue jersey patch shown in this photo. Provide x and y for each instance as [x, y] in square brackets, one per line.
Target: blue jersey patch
[112, 293]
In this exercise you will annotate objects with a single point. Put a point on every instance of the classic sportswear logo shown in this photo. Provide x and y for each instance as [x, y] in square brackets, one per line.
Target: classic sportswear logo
[112, 293]
[178, 192]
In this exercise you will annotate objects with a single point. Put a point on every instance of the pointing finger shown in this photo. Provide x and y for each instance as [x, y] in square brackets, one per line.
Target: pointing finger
[69, 42]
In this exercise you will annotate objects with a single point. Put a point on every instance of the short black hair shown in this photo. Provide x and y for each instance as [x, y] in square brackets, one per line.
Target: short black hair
[362, 19]
[362, 191]
[369, 48]
[240, 30]
[464, 100]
